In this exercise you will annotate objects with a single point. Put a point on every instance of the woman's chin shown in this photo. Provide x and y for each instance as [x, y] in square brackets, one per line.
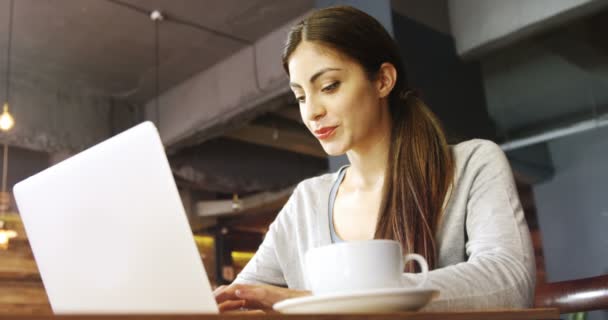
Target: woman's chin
[333, 150]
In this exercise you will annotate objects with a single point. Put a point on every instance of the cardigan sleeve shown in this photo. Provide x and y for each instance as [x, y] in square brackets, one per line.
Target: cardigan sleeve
[265, 267]
[500, 270]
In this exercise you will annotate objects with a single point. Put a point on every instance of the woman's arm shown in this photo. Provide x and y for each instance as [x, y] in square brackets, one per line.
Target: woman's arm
[500, 270]
[261, 283]
[265, 267]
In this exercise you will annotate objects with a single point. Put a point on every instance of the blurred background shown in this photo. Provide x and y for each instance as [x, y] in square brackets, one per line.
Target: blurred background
[530, 75]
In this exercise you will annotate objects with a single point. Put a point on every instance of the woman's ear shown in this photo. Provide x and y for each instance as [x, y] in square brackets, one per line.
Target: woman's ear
[386, 79]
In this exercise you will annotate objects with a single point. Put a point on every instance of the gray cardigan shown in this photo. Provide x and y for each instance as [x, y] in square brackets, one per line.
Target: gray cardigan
[486, 258]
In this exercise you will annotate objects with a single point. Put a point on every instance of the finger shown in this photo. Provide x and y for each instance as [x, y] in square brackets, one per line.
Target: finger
[231, 305]
[257, 299]
[260, 297]
[254, 304]
[251, 293]
[227, 293]
[218, 290]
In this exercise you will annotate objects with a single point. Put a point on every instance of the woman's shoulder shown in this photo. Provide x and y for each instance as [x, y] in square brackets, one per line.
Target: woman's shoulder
[311, 191]
[317, 183]
[478, 154]
[309, 195]
[476, 149]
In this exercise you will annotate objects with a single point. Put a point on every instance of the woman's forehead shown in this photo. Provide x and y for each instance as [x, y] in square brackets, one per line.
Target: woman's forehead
[308, 57]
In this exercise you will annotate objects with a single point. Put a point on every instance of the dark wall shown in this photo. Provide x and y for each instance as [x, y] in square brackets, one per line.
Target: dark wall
[452, 88]
[573, 209]
[22, 163]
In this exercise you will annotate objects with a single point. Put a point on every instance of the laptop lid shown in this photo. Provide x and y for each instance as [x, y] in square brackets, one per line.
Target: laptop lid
[109, 233]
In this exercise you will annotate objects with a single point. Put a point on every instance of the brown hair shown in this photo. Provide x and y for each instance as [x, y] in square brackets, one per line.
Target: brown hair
[420, 166]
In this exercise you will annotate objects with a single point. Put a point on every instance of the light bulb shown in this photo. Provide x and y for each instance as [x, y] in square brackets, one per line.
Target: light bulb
[236, 203]
[11, 234]
[6, 119]
[3, 241]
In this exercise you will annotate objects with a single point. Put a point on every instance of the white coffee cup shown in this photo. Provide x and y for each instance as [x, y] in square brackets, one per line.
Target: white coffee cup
[358, 266]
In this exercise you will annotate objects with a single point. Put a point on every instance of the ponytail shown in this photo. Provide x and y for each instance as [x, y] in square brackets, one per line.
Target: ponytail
[419, 175]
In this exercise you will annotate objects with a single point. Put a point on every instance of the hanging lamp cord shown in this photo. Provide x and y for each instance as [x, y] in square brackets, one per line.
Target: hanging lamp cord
[197, 26]
[157, 76]
[8, 51]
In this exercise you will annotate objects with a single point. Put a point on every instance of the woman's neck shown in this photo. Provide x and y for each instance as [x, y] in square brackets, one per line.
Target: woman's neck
[369, 161]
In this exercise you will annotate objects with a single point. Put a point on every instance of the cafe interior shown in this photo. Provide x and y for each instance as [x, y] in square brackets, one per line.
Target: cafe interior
[531, 76]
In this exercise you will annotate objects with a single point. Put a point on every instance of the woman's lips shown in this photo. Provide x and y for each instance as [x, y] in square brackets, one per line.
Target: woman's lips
[325, 133]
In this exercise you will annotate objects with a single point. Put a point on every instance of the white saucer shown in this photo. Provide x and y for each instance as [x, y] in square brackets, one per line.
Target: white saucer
[369, 301]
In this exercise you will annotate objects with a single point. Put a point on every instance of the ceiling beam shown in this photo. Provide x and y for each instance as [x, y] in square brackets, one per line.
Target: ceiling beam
[534, 18]
[254, 204]
[578, 45]
[232, 166]
[294, 141]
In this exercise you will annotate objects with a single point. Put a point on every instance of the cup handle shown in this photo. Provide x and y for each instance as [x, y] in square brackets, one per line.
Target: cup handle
[423, 266]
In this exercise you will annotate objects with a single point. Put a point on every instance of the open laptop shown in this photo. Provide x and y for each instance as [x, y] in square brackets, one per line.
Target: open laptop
[109, 233]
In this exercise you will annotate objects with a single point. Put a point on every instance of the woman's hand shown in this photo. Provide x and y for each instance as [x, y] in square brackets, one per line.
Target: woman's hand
[257, 297]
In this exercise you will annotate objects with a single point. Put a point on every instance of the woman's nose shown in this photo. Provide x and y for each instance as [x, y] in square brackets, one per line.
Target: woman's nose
[314, 110]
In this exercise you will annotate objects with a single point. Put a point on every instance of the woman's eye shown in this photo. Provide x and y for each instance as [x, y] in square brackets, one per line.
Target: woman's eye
[331, 87]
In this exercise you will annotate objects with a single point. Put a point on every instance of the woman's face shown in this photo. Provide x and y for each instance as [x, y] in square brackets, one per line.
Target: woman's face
[339, 104]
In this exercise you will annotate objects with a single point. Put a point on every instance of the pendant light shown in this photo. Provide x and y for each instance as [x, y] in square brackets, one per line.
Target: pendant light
[157, 17]
[6, 119]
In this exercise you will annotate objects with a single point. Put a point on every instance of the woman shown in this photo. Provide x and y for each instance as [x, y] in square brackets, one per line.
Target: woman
[455, 205]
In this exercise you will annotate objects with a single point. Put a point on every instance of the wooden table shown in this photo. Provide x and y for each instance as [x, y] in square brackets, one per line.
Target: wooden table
[524, 314]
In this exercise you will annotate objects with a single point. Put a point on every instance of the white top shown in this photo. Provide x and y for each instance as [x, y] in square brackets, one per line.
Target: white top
[486, 258]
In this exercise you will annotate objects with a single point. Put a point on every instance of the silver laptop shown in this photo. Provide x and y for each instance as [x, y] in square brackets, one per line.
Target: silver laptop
[109, 233]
